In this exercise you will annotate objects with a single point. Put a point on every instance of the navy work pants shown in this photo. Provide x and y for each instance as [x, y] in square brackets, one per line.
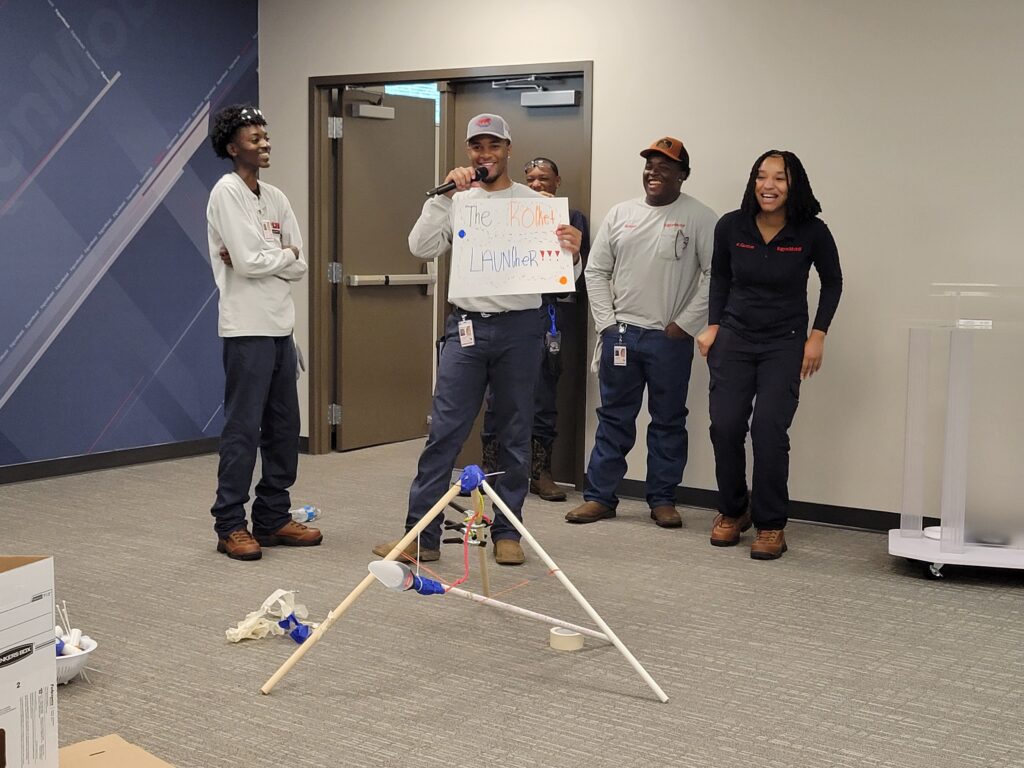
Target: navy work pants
[662, 366]
[545, 393]
[763, 378]
[505, 358]
[261, 409]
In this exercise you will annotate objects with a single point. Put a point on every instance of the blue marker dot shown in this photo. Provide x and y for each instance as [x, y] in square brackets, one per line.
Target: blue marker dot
[462, 233]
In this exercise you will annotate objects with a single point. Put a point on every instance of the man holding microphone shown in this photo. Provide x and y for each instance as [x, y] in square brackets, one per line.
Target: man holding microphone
[491, 341]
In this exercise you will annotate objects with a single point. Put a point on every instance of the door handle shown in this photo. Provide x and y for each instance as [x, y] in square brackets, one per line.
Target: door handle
[412, 279]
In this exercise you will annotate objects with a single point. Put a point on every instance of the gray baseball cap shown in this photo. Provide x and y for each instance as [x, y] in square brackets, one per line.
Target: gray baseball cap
[491, 125]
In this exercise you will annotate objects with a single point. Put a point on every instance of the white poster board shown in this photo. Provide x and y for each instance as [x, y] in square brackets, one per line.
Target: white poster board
[508, 245]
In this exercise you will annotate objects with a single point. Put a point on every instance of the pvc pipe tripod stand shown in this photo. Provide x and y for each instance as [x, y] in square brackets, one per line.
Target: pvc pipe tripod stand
[345, 604]
[409, 537]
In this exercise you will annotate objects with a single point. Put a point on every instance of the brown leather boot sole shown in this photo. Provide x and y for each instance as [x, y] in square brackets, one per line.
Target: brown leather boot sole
[509, 552]
[764, 548]
[547, 490]
[240, 547]
[589, 512]
[291, 534]
[409, 553]
[666, 516]
[726, 531]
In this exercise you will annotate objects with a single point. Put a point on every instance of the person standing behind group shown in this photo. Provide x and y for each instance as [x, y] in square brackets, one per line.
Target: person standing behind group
[757, 346]
[256, 253]
[542, 176]
[647, 282]
[493, 341]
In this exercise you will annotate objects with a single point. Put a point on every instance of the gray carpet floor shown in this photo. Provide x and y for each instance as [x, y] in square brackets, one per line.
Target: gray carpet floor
[835, 656]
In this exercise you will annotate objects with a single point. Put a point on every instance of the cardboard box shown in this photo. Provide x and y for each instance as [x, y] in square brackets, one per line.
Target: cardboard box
[28, 664]
[109, 752]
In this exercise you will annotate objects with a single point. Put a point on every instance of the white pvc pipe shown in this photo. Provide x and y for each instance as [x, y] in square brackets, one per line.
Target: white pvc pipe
[369, 579]
[518, 525]
[523, 612]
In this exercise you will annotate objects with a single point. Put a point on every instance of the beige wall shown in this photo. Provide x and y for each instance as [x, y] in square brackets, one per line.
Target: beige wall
[906, 113]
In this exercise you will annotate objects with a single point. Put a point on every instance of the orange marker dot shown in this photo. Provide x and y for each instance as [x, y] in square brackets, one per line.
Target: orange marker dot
[563, 280]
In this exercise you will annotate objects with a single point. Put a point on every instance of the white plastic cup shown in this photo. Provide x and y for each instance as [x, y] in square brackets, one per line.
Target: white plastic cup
[392, 574]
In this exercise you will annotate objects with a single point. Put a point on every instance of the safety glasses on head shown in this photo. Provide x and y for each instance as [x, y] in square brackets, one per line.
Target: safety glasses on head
[540, 162]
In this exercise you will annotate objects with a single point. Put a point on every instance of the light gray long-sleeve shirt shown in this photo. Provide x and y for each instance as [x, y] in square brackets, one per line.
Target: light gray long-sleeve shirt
[255, 291]
[431, 237]
[651, 265]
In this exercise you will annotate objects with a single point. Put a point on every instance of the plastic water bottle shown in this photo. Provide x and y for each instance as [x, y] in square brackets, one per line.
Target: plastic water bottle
[305, 514]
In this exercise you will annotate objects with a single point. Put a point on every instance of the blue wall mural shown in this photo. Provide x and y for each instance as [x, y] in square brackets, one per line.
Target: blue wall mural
[108, 311]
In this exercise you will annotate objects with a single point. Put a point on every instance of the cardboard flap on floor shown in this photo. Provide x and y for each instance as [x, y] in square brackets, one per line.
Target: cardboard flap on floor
[108, 752]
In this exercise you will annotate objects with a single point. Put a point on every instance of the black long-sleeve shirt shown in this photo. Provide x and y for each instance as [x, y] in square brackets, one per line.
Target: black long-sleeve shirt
[579, 220]
[759, 290]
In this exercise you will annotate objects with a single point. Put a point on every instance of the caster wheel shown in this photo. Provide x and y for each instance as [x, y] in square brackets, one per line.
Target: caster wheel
[935, 570]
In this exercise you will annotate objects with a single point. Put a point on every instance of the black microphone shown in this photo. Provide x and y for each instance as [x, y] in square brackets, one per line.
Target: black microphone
[480, 175]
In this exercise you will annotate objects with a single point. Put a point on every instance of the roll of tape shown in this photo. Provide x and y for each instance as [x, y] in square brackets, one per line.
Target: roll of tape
[563, 639]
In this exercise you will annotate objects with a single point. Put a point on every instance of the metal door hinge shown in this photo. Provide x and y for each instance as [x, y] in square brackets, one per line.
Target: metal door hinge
[334, 272]
[334, 414]
[334, 127]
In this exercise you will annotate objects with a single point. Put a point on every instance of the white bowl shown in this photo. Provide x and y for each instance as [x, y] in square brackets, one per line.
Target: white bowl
[68, 667]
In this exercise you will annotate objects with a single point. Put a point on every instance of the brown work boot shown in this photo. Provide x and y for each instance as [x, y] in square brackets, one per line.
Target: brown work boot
[589, 512]
[725, 531]
[769, 545]
[240, 545]
[291, 534]
[666, 516]
[410, 553]
[545, 487]
[541, 482]
[508, 552]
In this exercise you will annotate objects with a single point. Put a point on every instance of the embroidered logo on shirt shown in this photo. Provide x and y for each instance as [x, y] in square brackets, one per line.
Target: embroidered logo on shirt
[789, 248]
[681, 242]
[748, 246]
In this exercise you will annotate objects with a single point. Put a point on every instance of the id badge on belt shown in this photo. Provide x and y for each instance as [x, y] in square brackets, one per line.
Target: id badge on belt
[619, 350]
[466, 338]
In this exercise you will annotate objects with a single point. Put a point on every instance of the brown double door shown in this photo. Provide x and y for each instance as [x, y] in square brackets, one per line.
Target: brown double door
[384, 310]
[382, 336]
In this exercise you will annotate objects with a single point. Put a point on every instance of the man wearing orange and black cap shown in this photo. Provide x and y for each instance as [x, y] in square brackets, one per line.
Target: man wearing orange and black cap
[647, 278]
